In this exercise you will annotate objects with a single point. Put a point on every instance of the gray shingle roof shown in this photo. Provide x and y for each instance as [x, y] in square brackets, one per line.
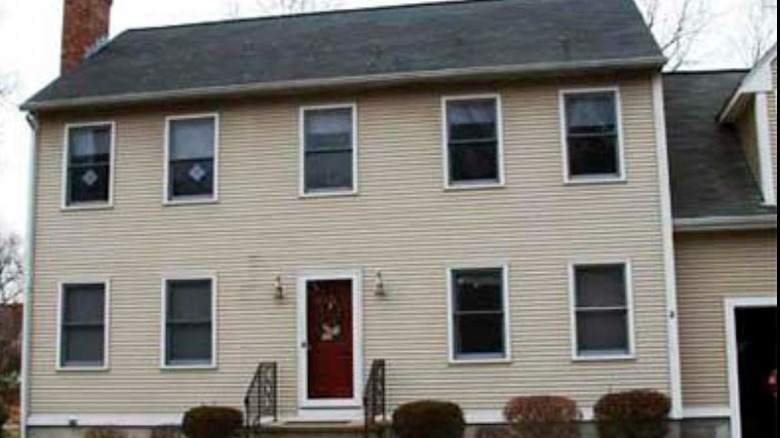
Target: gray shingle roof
[709, 172]
[384, 41]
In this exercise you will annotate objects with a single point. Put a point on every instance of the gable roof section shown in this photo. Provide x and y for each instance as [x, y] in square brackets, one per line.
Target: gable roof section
[393, 44]
[759, 79]
[710, 176]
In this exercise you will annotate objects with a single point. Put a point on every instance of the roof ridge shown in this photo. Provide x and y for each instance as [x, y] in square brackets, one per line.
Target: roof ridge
[301, 15]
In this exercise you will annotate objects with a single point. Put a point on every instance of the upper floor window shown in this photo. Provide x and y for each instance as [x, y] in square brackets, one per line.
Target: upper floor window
[473, 141]
[83, 327]
[329, 149]
[602, 311]
[191, 166]
[189, 322]
[593, 139]
[89, 159]
[479, 314]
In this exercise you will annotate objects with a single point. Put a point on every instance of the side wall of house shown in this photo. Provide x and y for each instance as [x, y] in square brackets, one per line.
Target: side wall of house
[712, 267]
[402, 223]
[773, 119]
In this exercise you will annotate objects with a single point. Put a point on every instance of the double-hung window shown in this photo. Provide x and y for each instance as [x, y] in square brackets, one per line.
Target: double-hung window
[329, 150]
[602, 311]
[478, 314]
[89, 158]
[473, 141]
[189, 322]
[83, 326]
[192, 143]
[593, 139]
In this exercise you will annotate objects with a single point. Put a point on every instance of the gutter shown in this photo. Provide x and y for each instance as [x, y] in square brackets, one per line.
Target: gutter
[374, 80]
[726, 223]
[29, 261]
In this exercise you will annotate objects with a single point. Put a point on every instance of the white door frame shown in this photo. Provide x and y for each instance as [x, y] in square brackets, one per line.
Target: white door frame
[356, 276]
[732, 305]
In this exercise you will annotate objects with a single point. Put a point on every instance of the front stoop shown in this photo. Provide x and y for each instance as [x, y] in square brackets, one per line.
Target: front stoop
[328, 429]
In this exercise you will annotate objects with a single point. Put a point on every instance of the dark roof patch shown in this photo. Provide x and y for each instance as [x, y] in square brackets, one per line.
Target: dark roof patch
[709, 172]
[397, 40]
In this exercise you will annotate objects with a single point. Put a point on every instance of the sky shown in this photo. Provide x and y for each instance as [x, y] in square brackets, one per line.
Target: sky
[30, 45]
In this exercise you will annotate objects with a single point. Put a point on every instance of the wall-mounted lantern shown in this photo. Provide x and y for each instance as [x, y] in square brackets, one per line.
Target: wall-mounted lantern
[379, 285]
[278, 288]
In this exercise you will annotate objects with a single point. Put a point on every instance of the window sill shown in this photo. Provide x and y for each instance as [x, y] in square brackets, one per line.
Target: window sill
[190, 201]
[477, 361]
[87, 207]
[605, 358]
[83, 369]
[204, 367]
[329, 194]
[464, 187]
[601, 180]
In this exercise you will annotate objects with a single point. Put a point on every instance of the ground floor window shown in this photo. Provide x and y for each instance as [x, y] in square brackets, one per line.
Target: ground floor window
[189, 322]
[83, 325]
[478, 314]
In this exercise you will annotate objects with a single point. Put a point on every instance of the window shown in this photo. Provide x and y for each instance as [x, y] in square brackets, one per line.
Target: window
[602, 311]
[83, 326]
[192, 150]
[189, 323]
[329, 158]
[592, 135]
[89, 160]
[478, 314]
[473, 141]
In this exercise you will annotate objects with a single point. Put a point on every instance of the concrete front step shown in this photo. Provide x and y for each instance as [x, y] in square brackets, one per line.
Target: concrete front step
[328, 429]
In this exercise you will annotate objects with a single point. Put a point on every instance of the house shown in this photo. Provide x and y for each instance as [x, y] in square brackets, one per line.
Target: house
[465, 201]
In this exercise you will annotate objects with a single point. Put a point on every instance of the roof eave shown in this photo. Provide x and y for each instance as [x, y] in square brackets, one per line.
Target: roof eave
[758, 79]
[497, 72]
[726, 223]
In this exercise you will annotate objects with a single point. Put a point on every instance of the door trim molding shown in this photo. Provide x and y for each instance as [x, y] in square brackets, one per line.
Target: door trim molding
[304, 278]
[732, 304]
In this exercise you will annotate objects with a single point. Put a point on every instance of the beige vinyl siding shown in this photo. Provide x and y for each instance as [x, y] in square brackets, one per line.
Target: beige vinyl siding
[712, 267]
[773, 120]
[402, 222]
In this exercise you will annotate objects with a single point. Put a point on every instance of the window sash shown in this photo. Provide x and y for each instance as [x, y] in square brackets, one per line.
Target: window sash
[339, 179]
[71, 329]
[458, 171]
[99, 160]
[609, 130]
[173, 324]
[498, 317]
[622, 311]
[203, 152]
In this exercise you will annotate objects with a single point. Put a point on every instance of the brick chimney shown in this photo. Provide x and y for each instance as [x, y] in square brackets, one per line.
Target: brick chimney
[85, 23]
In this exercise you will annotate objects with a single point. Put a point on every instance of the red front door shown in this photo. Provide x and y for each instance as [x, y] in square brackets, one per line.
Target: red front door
[330, 339]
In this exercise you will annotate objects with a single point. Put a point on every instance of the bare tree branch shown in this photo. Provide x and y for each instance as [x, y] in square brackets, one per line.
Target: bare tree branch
[11, 270]
[677, 25]
[239, 8]
[758, 29]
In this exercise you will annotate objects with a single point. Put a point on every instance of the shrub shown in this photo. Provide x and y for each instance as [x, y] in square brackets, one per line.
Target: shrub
[3, 415]
[165, 432]
[212, 422]
[633, 414]
[429, 419]
[104, 432]
[543, 417]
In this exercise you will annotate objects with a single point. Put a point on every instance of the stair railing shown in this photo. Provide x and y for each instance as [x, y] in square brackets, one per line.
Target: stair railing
[375, 398]
[262, 397]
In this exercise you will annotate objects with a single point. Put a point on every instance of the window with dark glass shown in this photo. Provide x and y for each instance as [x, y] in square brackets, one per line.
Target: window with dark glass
[592, 135]
[473, 141]
[602, 310]
[83, 331]
[329, 143]
[191, 151]
[479, 313]
[89, 165]
[188, 322]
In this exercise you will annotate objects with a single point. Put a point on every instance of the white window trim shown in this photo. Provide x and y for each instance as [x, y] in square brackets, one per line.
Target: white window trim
[192, 200]
[164, 320]
[109, 204]
[764, 140]
[353, 107]
[445, 135]
[599, 179]
[106, 282]
[356, 276]
[452, 356]
[628, 268]
[731, 306]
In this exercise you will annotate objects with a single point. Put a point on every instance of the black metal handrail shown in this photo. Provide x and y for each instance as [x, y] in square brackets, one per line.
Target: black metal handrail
[375, 398]
[262, 397]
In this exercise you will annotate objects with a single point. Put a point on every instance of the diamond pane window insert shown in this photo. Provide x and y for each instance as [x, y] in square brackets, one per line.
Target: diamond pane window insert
[191, 152]
[89, 164]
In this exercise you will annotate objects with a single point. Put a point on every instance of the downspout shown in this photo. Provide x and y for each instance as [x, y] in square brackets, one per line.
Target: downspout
[29, 260]
[670, 269]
